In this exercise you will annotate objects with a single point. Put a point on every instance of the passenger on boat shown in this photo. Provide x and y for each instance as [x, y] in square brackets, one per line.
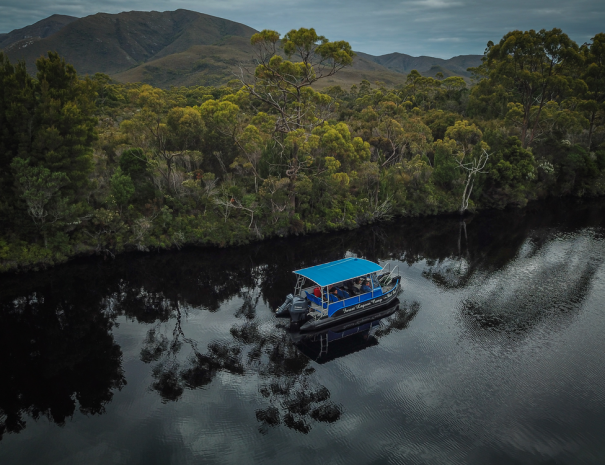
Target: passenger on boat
[333, 295]
[357, 285]
[342, 294]
[366, 287]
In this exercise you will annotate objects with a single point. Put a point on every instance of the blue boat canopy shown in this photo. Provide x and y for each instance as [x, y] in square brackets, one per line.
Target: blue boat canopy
[338, 271]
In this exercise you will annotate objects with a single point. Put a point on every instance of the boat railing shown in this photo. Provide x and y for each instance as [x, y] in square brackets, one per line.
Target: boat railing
[388, 273]
[300, 280]
[318, 312]
[321, 307]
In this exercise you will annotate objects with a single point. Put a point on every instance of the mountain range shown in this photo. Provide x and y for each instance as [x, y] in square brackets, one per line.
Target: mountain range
[186, 48]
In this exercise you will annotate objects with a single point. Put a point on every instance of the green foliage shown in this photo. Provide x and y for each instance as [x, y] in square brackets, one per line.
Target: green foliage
[134, 163]
[122, 187]
[38, 186]
[94, 166]
[536, 66]
[336, 141]
[511, 171]
[446, 171]
[593, 103]
[515, 165]
[64, 122]
[47, 131]
[577, 169]
[438, 121]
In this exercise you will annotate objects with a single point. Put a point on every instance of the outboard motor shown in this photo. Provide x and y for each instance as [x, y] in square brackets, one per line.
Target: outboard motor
[299, 311]
[283, 311]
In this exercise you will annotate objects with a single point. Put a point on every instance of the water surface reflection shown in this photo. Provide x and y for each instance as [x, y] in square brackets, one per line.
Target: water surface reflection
[182, 348]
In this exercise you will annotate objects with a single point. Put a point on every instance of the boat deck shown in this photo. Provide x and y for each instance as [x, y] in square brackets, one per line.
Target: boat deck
[317, 310]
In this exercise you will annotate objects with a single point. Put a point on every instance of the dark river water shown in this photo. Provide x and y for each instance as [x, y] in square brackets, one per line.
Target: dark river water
[496, 355]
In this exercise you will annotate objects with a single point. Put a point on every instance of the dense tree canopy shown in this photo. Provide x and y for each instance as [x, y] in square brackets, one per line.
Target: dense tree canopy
[48, 127]
[90, 165]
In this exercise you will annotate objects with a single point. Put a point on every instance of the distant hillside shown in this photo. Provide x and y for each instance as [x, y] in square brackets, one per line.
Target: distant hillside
[197, 65]
[113, 43]
[402, 63]
[186, 48]
[40, 30]
[218, 64]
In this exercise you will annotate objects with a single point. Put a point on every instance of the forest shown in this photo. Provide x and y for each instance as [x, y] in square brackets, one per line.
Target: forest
[92, 166]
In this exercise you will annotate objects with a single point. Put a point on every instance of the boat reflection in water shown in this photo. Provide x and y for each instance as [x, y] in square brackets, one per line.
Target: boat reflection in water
[352, 336]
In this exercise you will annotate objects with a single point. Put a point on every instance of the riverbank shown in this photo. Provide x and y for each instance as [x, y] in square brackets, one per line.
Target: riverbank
[23, 257]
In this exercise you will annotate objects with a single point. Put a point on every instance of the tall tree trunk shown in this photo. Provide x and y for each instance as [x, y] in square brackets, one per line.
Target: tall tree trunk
[592, 118]
[524, 132]
[466, 196]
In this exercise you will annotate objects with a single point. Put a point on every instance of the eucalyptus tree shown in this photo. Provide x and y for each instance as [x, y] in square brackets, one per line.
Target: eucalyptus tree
[40, 189]
[393, 133]
[286, 68]
[170, 134]
[535, 67]
[420, 90]
[594, 77]
[49, 119]
[463, 142]
[249, 135]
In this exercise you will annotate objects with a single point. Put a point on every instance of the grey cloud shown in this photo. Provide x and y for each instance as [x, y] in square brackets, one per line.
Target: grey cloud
[441, 28]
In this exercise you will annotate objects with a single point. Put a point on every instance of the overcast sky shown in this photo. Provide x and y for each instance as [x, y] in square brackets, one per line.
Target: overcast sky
[441, 28]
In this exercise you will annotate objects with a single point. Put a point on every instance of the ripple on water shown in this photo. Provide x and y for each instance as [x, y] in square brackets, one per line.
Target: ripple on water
[495, 357]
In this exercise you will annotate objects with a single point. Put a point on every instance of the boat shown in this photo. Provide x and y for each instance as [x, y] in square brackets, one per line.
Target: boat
[334, 298]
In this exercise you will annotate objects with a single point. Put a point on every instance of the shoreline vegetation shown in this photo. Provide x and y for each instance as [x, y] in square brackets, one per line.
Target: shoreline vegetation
[91, 166]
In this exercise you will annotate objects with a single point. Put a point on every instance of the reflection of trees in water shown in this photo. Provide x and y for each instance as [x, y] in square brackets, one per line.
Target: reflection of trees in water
[295, 398]
[171, 377]
[400, 320]
[68, 312]
[56, 356]
[287, 383]
[477, 249]
[516, 287]
[456, 252]
[533, 289]
[285, 372]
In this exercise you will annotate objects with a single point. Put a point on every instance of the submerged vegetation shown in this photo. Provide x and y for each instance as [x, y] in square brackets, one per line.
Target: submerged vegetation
[93, 166]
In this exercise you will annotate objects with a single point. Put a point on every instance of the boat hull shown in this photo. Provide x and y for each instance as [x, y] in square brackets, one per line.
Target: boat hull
[368, 308]
[343, 326]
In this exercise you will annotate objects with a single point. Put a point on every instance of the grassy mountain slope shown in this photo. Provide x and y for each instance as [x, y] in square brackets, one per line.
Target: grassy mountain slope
[218, 64]
[464, 61]
[402, 63]
[40, 30]
[114, 43]
[198, 65]
[363, 68]
[186, 48]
